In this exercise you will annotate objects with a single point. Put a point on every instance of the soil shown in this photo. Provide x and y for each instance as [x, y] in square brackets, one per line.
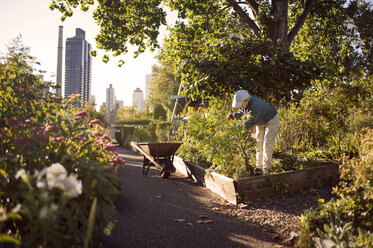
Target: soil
[278, 215]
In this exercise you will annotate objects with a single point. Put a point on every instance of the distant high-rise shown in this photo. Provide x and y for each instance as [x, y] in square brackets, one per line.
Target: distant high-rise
[138, 100]
[78, 64]
[59, 61]
[110, 102]
[148, 78]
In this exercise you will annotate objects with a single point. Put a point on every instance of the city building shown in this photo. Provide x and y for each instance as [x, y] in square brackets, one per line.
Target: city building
[138, 100]
[78, 67]
[111, 108]
[148, 78]
[59, 62]
[119, 104]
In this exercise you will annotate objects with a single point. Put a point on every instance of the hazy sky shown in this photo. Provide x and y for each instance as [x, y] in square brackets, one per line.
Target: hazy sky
[38, 26]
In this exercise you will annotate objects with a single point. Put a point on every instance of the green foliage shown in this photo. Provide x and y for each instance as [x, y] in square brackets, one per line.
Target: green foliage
[352, 210]
[340, 236]
[127, 112]
[163, 86]
[233, 63]
[217, 47]
[155, 131]
[159, 113]
[122, 23]
[54, 162]
[327, 118]
[90, 109]
[341, 38]
[135, 121]
[211, 141]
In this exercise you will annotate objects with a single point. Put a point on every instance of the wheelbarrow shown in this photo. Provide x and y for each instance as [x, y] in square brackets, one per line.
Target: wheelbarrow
[159, 154]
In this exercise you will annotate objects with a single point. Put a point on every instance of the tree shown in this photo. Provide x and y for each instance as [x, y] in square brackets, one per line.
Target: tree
[159, 113]
[137, 22]
[17, 47]
[126, 112]
[223, 45]
[163, 86]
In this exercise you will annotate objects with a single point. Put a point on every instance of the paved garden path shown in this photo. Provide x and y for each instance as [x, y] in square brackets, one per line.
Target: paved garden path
[175, 212]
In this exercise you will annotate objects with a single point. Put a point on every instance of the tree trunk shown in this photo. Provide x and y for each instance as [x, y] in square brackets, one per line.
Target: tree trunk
[278, 29]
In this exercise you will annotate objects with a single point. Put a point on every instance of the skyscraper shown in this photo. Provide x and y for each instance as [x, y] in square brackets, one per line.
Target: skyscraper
[148, 78]
[78, 64]
[138, 100]
[110, 103]
[59, 61]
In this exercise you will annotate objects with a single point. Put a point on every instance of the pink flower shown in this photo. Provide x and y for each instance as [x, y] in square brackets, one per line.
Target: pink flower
[50, 128]
[39, 129]
[105, 138]
[116, 162]
[22, 141]
[42, 138]
[96, 122]
[97, 134]
[4, 133]
[14, 122]
[59, 138]
[80, 139]
[110, 147]
[28, 122]
[81, 115]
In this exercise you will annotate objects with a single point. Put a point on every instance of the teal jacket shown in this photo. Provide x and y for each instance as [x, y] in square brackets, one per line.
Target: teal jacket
[260, 112]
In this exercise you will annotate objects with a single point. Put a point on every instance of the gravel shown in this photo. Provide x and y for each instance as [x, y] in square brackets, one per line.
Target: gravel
[278, 215]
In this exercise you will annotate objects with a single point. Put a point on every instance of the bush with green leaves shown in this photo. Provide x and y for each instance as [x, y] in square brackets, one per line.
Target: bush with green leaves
[57, 167]
[211, 141]
[155, 131]
[327, 119]
[346, 220]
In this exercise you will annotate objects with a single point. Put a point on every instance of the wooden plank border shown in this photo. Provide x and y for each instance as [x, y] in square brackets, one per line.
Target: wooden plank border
[249, 188]
[223, 186]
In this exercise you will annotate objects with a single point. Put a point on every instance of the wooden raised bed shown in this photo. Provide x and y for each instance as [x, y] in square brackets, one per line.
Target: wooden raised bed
[246, 189]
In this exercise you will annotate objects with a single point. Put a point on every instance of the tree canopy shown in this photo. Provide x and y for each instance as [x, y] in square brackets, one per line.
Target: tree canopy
[273, 48]
[164, 84]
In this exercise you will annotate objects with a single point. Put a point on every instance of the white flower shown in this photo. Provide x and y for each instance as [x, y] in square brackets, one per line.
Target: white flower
[2, 214]
[54, 177]
[16, 208]
[54, 207]
[20, 173]
[56, 174]
[73, 186]
[43, 212]
[41, 184]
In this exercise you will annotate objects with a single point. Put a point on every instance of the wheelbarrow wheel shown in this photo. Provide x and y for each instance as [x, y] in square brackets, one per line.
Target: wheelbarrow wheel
[166, 174]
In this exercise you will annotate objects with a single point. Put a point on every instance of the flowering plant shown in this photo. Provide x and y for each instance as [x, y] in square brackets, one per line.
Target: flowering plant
[53, 170]
[211, 141]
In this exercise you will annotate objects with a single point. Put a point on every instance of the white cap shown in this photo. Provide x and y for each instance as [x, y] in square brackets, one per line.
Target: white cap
[239, 97]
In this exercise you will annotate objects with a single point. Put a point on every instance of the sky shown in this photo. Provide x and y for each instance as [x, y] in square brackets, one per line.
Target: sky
[38, 26]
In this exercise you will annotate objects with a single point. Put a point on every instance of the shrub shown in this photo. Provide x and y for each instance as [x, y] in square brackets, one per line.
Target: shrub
[155, 131]
[210, 140]
[326, 119]
[347, 220]
[56, 166]
[135, 121]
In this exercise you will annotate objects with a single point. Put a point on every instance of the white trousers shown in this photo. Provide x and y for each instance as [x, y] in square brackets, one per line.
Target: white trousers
[265, 138]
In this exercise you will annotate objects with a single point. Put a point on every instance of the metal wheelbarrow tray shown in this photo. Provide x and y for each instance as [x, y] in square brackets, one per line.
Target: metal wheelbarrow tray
[159, 154]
